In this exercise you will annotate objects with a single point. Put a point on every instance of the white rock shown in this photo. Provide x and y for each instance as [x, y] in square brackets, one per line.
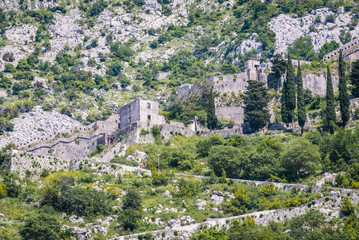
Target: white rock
[75, 219]
[216, 200]
[167, 194]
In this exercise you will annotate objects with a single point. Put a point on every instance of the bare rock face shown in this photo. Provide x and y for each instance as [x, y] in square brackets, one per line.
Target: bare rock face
[37, 124]
[289, 29]
[21, 34]
[65, 31]
[250, 44]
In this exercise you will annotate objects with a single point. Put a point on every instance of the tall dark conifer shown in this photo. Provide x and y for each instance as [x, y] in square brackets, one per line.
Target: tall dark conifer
[211, 111]
[330, 108]
[256, 102]
[302, 116]
[283, 108]
[343, 93]
[290, 91]
[354, 78]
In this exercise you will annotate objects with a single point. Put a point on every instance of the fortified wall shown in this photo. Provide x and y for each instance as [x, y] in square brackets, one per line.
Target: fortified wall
[350, 52]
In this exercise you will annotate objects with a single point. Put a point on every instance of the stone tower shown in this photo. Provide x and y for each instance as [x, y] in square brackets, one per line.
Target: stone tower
[251, 65]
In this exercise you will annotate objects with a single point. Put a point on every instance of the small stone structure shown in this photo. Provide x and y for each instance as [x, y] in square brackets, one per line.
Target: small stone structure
[140, 111]
[350, 52]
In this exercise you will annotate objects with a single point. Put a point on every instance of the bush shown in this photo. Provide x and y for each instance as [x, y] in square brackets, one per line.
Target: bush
[41, 226]
[330, 18]
[347, 207]
[226, 158]
[187, 188]
[81, 201]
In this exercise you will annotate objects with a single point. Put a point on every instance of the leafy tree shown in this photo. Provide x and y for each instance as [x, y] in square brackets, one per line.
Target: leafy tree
[330, 108]
[41, 226]
[345, 37]
[226, 158]
[132, 210]
[256, 105]
[343, 93]
[327, 48]
[81, 201]
[22, 65]
[211, 111]
[115, 68]
[121, 51]
[5, 82]
[354, 78]
[279, 66]
[303, 49]
[290, 90]
[228, 69]
[347, 207]
[302, 116]
[300, 158]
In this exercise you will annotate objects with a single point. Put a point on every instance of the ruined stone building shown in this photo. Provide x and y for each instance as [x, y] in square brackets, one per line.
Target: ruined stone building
[143, 111]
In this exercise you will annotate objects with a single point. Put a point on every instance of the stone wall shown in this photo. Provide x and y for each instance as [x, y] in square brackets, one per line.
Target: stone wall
[317, 83]
[76, 147]
[235, 114]
[347, 50]
[230, 83]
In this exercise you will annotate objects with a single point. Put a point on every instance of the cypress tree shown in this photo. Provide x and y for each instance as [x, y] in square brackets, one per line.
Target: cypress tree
[283, 108]
[290, 91]
[354, 78]
[256, 105]
[211, 111]
[330, 108]
[302, 116]
[343, 93]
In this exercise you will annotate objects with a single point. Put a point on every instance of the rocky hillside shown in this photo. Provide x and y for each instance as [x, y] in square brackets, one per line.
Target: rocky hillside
[85, 58]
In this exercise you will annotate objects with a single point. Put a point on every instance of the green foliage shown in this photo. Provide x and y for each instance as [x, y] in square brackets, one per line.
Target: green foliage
[302, 49]
[343, 93]
[300, 158]
[122, 52]
[211, 111]
[114, 68]
[256, 105]
[178, 158]
[345, 37]
[132, 210]
[160, 178]
[327, 48]
[302, 116]
[290, 99]
[330, 18]
[187, 188]
[41, 226]
[226, 158]
[347, 207]
[156, 132]
[330, 106]
[354, 78]
[279, 66]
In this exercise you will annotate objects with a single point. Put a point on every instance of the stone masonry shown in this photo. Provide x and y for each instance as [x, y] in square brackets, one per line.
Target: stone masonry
[140, 111]
[350, 52]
